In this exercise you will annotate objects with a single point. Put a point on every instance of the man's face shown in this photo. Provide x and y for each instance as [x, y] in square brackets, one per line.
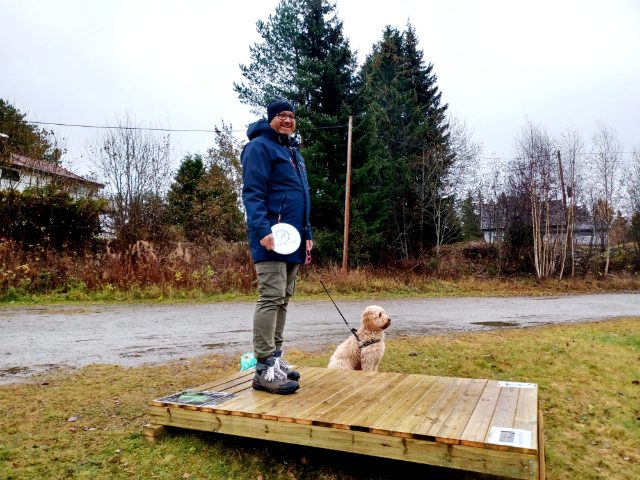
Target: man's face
[284, 122]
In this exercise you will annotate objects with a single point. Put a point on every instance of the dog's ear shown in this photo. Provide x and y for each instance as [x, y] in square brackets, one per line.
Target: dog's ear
[371, 317]
[368, 318]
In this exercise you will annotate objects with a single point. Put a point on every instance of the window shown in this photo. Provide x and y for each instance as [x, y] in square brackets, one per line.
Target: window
[9, 174]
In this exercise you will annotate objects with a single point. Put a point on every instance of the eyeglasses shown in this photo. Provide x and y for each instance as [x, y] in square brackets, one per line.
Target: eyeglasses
[285, 116]
[307, 259]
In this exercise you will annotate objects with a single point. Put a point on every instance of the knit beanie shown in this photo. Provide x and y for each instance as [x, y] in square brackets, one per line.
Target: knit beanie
[278, 106]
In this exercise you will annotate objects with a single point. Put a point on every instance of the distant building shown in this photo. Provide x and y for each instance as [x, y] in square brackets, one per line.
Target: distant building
[19, 172]
[496, 217]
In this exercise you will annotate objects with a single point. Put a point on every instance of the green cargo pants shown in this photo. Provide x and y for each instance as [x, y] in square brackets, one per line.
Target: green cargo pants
[276, 284]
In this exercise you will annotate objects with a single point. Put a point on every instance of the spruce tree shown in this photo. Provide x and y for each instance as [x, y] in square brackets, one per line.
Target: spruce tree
[305, 58]
[403, 123]
[470, 219]
[183, 191]
[204, 199]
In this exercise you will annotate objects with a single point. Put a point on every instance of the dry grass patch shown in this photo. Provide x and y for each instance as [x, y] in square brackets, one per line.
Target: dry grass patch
[588, 376]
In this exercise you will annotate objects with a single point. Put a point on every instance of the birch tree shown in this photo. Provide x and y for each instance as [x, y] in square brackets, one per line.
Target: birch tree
[135, 165]
[632, 184]
[571, 151]
[538, 173]
[632, 181]
[444, 183]
[607, 166]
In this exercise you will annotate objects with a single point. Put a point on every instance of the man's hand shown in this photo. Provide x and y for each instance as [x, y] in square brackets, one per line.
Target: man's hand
[268, 242]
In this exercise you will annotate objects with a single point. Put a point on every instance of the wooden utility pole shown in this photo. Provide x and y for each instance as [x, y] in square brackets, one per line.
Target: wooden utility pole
[565, 215]
[347, 194]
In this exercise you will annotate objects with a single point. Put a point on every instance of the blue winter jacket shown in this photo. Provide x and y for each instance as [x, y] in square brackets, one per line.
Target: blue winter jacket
[274, 185]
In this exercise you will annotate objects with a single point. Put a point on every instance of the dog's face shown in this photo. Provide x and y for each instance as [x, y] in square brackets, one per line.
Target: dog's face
[374, 318]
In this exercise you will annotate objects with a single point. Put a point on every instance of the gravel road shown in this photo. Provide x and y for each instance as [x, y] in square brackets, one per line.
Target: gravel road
[39, 339]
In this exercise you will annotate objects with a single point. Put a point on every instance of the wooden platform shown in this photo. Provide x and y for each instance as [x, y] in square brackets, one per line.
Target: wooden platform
[469, 424]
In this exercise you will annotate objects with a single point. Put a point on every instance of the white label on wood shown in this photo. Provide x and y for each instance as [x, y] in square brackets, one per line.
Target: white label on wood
[513, 437]
[516, 385]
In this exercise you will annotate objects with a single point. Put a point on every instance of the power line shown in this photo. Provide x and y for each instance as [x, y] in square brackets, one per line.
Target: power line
[201, 130]
[112, 127]
[153, 129]
[502, 159]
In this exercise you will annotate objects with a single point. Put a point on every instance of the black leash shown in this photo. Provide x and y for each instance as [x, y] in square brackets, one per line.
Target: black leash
[353, 330]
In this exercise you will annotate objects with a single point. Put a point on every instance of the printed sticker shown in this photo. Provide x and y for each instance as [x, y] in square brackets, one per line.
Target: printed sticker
[516, 385]
[512, 437]
[199, 399]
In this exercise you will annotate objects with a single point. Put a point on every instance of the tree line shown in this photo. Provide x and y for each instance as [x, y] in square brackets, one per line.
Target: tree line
[415, 183]
[560, 201]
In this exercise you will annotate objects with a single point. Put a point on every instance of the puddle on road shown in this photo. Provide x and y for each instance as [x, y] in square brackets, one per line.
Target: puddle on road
[496, 324]
[14, 371]
[141, 351]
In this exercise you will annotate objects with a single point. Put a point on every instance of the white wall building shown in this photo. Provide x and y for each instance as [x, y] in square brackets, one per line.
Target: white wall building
[19, 172]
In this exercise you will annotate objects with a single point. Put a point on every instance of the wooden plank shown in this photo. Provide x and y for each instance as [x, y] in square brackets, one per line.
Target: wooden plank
[152, 432]
[494, 462]
[234, 380]
[247, 396]
[366, 384]
[461, 412]
[526, 417]
[505, 412]
[255, 403]
[417, 412]
[386, 423]
[343, 396]
[340, 415]
[377, 407]
[440, 410]
[319, 392]
[541, 455]
[222, 383]
[478, 425]
[504, 416]
[233, 383]
[309, 395]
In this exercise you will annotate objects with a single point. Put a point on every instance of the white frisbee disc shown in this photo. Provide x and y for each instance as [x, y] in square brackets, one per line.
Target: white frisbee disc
[286, 238]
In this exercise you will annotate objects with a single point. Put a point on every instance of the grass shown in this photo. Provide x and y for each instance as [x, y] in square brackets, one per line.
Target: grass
[88, 423]
[355, 284]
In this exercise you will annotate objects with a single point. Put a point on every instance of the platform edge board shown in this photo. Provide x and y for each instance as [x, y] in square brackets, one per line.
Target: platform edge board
[541, 455]
[494, 462]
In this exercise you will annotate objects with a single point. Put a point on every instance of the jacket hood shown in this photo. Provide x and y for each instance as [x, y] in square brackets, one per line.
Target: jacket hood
[261, 128]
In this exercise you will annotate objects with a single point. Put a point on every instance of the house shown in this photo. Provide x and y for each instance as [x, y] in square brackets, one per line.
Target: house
[497, 217]
[19, 172]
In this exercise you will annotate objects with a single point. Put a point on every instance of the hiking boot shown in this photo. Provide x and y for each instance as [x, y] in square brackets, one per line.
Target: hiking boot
[271, 378]
[283, 365]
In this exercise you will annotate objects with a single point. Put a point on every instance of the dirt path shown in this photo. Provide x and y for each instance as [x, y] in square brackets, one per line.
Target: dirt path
[38, 339]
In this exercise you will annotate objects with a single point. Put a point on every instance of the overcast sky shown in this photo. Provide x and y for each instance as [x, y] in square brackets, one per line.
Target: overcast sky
[560, 63]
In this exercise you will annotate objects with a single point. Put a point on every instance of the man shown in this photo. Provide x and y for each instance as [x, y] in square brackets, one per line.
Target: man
[275, 189]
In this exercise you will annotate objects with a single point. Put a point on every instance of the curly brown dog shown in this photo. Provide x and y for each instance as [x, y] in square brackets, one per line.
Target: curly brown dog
[365, 351]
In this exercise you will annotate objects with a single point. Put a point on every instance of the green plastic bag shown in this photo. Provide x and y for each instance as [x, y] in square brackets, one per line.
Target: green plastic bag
[247, 361]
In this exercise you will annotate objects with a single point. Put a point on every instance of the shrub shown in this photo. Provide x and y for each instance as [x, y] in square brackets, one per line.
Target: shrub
[50, 219]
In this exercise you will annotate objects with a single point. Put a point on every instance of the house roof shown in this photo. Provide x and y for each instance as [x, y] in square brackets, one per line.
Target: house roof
[498, 215]
[48, 168]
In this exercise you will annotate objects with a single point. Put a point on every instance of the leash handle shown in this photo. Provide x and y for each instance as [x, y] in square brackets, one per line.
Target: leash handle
[353, 330]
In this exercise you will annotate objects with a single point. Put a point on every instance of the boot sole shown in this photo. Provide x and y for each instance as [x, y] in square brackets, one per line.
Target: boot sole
[286, 391]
